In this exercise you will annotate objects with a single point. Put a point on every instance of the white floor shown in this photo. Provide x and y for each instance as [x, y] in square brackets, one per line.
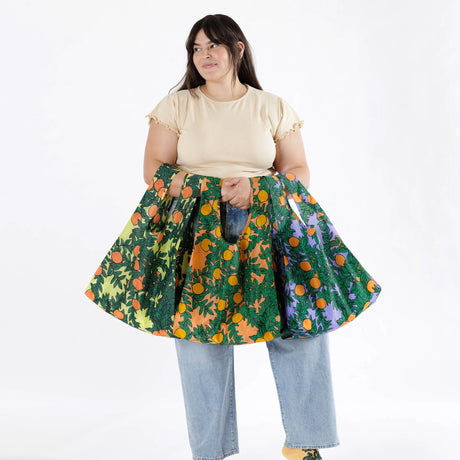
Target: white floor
[53, 429]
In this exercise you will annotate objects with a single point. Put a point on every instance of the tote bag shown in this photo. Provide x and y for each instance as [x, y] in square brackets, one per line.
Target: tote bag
[136, 281]
[229, 294]
[322, 286]
[165, 279]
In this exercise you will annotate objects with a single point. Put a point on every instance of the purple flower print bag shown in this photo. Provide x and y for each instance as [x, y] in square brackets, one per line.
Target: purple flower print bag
[321, 285]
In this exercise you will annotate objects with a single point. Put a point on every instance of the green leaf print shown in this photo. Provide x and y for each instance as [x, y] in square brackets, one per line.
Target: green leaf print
[232, 294]
[145, 323]
[126, 232]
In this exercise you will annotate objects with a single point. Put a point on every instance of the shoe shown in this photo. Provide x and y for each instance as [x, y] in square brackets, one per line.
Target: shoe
[301, 454]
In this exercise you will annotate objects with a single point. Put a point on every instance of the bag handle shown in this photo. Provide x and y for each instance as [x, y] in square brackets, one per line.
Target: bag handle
[188, 195]
[150, 206]
[174, 228]
[301, 196]
[211, 199]
[161, 180]
[295, 187]
[156, 201]
[280, 208]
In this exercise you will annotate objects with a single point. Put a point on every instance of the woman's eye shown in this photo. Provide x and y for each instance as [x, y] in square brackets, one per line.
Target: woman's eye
[197, 49]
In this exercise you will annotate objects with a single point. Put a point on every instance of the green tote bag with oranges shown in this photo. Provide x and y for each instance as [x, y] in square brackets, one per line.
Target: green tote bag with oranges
[171, 273]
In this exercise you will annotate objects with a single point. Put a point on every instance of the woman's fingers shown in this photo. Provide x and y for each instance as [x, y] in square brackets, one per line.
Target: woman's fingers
[231, 181]
[227, 188]
[236, 191]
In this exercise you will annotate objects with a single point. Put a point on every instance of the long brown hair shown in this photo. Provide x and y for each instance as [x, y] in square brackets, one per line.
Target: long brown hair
[220, 29]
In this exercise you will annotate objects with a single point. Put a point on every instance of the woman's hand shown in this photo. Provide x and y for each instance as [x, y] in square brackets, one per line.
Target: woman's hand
[237, 190]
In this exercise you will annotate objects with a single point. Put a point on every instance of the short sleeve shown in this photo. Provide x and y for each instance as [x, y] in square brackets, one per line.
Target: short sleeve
[289, 121]
[165, 113]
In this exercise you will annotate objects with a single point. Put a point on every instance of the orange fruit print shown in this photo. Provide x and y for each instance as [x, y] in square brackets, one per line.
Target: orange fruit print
[171, 273]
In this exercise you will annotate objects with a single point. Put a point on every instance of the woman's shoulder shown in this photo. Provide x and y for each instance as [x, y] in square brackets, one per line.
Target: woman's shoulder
[184, 93]
[178, 95]
[272, 102]
[181, 97]
[266, 95]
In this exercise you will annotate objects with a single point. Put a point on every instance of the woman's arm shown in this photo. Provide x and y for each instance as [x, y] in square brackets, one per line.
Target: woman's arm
[161, 147]
[290, 156]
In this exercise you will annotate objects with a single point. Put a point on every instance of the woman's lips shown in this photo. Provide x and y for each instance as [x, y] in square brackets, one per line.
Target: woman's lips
[207, 66]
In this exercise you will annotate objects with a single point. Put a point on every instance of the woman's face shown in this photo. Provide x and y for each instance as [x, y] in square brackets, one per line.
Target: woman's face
[212, 60]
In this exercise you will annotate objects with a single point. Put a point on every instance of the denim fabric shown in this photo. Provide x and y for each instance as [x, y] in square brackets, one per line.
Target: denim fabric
[301, 369]
[233, 221]
[302, 373]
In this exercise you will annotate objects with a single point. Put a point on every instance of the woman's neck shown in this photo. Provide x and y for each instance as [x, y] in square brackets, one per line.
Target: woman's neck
[221, 92]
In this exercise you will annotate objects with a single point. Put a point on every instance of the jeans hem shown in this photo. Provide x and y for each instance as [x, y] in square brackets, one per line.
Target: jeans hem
[313, 446]
[227, 454]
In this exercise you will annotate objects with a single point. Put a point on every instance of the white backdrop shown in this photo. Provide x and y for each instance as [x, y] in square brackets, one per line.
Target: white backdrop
[377, 85]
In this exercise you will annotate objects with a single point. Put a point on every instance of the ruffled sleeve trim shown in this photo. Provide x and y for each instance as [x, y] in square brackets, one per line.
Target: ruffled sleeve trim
[295, 127]
[162, 123]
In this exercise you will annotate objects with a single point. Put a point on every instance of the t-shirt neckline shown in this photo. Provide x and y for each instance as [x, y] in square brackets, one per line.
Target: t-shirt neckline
[226, 102]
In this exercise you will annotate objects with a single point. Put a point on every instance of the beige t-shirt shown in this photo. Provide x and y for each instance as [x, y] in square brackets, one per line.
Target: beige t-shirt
[226, 138]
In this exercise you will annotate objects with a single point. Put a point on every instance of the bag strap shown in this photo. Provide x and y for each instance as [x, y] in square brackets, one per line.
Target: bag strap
[301, 196]
[293, 185]
[211, 191]
[187, 198]
[158, 203]
[151, 206]
[210, 203]
[161, 181]
[175, 226]
[280, 207]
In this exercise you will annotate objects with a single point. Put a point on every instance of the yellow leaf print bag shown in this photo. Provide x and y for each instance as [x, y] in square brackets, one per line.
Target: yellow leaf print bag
[167, 278]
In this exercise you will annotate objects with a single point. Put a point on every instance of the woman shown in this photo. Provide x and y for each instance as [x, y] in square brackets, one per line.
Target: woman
[221, 123]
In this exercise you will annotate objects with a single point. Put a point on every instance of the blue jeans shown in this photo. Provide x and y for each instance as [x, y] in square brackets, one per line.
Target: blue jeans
[301, 369]
[302, 373]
